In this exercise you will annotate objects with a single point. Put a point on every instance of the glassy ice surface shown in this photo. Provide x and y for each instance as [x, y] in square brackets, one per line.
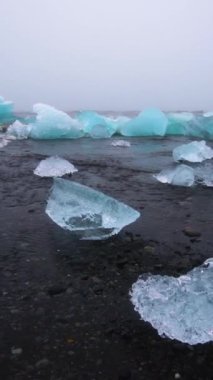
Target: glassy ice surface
[150, 122]
[182, 175]
[179, 308]
[196, 151]
[177, 123]
[6, 111]
[97, 126]
[204, 174]
[53, 124]
[121, 143]
[87, 212]
[18, 130]
[54, 167]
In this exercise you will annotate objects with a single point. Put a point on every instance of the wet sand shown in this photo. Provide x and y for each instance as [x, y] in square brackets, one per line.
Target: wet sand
[65, 303]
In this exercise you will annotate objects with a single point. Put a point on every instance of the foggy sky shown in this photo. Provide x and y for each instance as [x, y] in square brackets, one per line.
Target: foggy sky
[107, 54]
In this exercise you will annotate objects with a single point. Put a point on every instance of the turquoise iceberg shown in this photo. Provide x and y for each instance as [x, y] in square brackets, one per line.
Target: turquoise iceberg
[51, 123]
[97, 126]
[178, 123]
[150, 122]
[88, 213]
[6, 111]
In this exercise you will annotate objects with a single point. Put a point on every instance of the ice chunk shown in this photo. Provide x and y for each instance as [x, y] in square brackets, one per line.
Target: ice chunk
[54, 167]
[19, 130]
[121, 143]
[53, 124]
[6, 111]
[204, 174]
[151, 122]
[208, 114]
[3, 142]
[196, 151]
[178, 122]
[120, 122]
[182, 175]
[180, 308]
[97, 126]
[87, 212]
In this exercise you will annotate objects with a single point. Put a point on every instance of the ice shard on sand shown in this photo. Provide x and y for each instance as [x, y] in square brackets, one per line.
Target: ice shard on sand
[54, 167]
[86, 212]
[182, 175]
[180, 308]
[196, 151]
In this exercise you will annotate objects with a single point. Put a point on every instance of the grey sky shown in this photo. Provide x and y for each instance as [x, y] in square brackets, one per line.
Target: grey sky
[107, 54]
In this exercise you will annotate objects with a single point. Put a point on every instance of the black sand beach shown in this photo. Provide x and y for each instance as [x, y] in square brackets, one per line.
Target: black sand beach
[65, 307]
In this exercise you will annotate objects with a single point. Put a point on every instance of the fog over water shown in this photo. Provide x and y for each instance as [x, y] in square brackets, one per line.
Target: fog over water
[109, 54]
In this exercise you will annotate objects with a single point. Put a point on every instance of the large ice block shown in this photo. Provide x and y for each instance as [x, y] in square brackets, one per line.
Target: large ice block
[54, 167]
[178, 122]
[51, 123]
[182, 175]
[180, 308]
[96, 125]
[6, 111]
[196, 151]
[150, 122]
[86, 212]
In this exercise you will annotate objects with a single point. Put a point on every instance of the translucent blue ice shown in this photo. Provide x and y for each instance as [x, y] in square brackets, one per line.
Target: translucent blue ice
[150, 122]
[6, 111]
[54, 167]
[180, 308]
[204, 174]
[87, 212]
[178, 123]
[196, 151]
[18, 130]
[53, 124]
[97, 126]
[181, 175]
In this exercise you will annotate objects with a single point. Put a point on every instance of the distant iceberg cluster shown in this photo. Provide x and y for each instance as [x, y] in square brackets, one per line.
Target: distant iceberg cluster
[50, 123]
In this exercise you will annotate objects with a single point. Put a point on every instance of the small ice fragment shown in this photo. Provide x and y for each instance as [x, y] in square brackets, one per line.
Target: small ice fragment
[204, 174]
[121, 143]
[88, 213]
[16, 351]
[182, 175]
[179, 308]
[196, 151]
[18, 130]
[54, 167]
